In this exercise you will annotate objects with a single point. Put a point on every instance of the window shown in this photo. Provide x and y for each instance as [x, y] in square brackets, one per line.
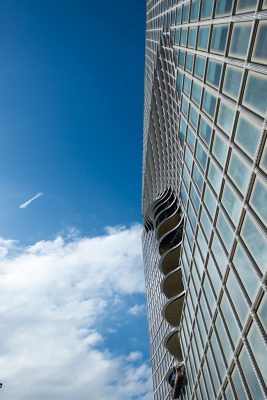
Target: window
[263, 162]
[258, 199]
[225, 231]
[223, 7]
[200, 66]
[194, 10]
[188, 159]
[227, 350]
[206, 9]
[220, 148]
[247, 135]
[187, 85]
[262, 312]
[225, 118]
[197, 176]
[185, 106]
[193, 117]
[195, 198]
[215, 176]
[255, 93]
[238, 385]
[205, 222]
[209, 103]
[183, 37]
[191, 138]
[250, 376]
[181, 58]
[246, 272]
[232, 203]
[196, 93]
[232, 80]
[214, 73]
[203, 38]
[183, 127]
[201, 156]
[255, 241]
[240, 39]
[239, 172]
[237, 297]
[192, 37]
[186, 13]
[219, 254]
[189, 62]
[246, 5]
[205, 131]
[258, 348]
[177, 37]
[180, 79]
[210, 201]
[214, 275]
[260, 48]
[219, 37]
[230, 319]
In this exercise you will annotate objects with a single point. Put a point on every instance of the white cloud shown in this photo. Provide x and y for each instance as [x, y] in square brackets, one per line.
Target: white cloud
[54, 295]
[134, 356]
[136, 309]
[28, 202]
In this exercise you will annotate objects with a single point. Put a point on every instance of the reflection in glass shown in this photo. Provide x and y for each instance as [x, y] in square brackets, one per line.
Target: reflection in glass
[200, 66]
[255, 93]
[258, 199]
[255, 241]
[196, 92]
[225, 118]
[247, 135]
[201, 156]
[237, 297]
[246, 272]
[239, 172]
[206, 9]
[238, 385]
[232, 203]
[230, 319]
[191, 138]
[214, 275]
[263, 162]
[219, 254]
[246, 5]
[225, 231]
[205, 131]
[225, 343]
[210, 201]
[260, 48]
[258, 348]
[214, 73]
[198, 178]
[209, 103]
[189, 62]
[223, 7]
[219, 37]
[240, 39]
[220, 148]
[262, 312]
[215, 176]
[232, 79]
[192, 37]
[183, 37]
[203, 37]
[250, 376]
[194, 10]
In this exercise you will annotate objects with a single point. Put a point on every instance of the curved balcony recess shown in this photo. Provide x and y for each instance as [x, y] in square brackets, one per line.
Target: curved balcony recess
[167, 212]
[170, 260]
[170, 200]
[172, 310]
[171, 239]
[172, 284]
[168, 225]
[162, 198]
[173, 345]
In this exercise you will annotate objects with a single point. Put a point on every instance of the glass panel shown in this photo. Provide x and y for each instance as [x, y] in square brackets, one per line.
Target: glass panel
[185, 106]
[250, 375]
[246, 5]
[217, 355]
[192, 37]
[180, 80]
[247, 135]
[223, 7]
[258, 199]
[209, 103]
[258, 348]
[214, 73]
[181, 58]
[220, 148]
[186, 178]
[255, 240]
[210, 201]
[230, 319]
[205, 222]
[187, 85]
[189, 62]
[223, 337]
[239, 171]
[201, 156]
[193, 117]
[239, 388]
[186, 13]
[225, 231]
[214, 276]
[196, 92]
[200, 66]
[183, 37]
[237, 297]
[188, 159]
[225, 118]
[198, 179]
[263, 162]
[191, 139]
[246, 272]
[219, 254]
[213, 372]
[215, 176]
[205, 131]
[194, 10]
[195, 198]
[232, 203]
[202, 243]
[240, 39]
[183, 127]
[229, 393]
[203, 38]
[206, 9]
[219, 37]
[262, 312]
[255, 93]
[232, 79]
[260, 48]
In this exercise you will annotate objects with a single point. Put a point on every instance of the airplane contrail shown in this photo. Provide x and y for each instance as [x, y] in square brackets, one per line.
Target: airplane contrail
[28, 202]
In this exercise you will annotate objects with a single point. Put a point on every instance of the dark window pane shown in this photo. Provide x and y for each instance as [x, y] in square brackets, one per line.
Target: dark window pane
[219, 37]
[240, 39]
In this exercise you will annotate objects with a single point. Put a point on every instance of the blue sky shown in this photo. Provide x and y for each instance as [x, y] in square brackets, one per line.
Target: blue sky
[71, 115]
[71, 273]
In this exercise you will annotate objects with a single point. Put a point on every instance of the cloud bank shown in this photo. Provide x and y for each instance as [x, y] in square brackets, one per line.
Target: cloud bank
[54, 296]
[28, 202]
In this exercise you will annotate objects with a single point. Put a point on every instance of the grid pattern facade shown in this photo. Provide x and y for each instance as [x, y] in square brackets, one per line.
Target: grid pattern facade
[212, 57]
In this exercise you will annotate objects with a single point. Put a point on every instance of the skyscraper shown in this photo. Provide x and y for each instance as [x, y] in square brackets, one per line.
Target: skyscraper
[205, 197]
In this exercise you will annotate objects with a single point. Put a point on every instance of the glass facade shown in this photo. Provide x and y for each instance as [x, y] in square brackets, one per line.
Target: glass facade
[205, 148]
